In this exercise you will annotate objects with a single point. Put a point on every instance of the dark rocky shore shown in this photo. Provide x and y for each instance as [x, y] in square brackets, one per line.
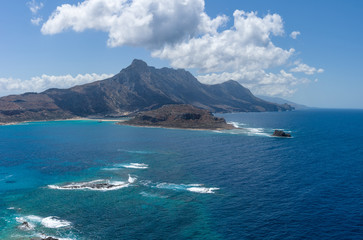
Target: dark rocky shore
[280, 133]
[179, 116]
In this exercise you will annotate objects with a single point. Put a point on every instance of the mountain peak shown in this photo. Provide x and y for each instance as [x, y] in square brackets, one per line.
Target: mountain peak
[138, 63]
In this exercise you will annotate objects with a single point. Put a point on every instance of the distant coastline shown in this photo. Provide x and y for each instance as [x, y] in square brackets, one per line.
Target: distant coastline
[67, 119]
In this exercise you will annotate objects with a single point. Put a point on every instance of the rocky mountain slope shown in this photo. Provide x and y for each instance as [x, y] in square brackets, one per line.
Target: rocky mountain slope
[136, 88]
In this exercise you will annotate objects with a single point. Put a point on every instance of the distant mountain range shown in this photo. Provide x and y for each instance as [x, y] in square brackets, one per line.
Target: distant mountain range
[136, 88]
[283, 101]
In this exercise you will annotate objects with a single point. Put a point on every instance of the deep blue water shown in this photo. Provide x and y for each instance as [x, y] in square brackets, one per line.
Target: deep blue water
[254, 186]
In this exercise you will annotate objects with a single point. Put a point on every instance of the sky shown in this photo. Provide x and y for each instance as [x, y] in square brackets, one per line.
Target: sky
[309, 52]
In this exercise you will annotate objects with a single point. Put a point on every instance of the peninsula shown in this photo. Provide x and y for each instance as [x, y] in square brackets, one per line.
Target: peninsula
[179, 116]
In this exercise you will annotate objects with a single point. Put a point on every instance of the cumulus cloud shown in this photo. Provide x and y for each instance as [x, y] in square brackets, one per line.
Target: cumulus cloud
[41, 83]
[148, 23]
[304, 68]
[35, 6]
[181, 32]
[258, 81]
[36, 21]
[246, 45]
[294, 34]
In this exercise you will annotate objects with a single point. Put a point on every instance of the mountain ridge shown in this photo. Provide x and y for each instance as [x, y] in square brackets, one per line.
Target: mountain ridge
[136, 88]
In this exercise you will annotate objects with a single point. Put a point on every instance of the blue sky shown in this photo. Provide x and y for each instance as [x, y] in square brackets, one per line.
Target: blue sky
[248, 41]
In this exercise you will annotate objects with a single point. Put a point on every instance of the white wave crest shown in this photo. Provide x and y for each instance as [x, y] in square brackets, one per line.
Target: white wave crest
[96, 185]
[131, 179]
[54, 222]
[25, 224]
[250, 131]
[198, 188]
[202, 189]
[132, 165]
[257, 131]
[29, 222]
[236, 124]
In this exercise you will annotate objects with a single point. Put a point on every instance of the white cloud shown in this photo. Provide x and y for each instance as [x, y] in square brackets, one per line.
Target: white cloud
[182, 32]
[148, 23]
[36, 21]
[246, 45]
[41, 83]
[34, 6]
[294, 34]
[304, 68]
[258, 81]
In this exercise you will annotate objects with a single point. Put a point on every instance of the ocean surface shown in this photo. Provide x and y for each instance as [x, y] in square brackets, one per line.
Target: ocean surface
[90, 180]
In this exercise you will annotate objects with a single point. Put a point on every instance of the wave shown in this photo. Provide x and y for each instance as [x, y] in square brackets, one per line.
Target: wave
[237, 124]
[202, 189]
[135, 151]
[198, 188]
[96, 185]
[131, 179]
[250, 131]
[24, 224]
[257, 131]
[30, 222]
[132, 165]
[54, 222]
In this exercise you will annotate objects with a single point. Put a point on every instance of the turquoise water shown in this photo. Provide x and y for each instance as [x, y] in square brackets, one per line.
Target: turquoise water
[89, 180]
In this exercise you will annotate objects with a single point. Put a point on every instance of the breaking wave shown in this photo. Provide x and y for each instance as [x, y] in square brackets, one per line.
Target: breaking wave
[29, 222]
[132, 165]
[54, 222]
[198, 188]
[241, 128]
[131, 179]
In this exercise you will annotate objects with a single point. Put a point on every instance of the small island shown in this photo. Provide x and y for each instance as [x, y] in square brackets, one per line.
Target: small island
[280, 133]
[179, 116]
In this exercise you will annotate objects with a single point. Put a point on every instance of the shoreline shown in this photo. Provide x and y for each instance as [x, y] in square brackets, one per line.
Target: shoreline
[166, 127]
[67, 119]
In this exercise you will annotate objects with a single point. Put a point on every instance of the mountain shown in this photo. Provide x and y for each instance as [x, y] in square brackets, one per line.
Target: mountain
[136, 88]
[283, 101]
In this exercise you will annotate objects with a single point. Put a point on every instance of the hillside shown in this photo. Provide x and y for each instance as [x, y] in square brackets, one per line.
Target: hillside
[136, 88]
[179, 116]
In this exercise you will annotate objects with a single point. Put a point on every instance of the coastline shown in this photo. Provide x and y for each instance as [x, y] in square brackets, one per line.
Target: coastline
[67, 119]
[180, 128]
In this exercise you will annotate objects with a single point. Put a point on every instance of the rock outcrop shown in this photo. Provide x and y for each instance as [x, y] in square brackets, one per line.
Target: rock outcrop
[280, 133]
[179, 116]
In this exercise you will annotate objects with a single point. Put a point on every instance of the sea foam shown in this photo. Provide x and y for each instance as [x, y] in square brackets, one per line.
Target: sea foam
[198, 188]
[48, 222]
[54, 222]
[250, 131]
[131, 179]
[132, 165]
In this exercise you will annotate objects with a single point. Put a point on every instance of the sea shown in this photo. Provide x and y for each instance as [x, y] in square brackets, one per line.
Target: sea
[86, 179]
